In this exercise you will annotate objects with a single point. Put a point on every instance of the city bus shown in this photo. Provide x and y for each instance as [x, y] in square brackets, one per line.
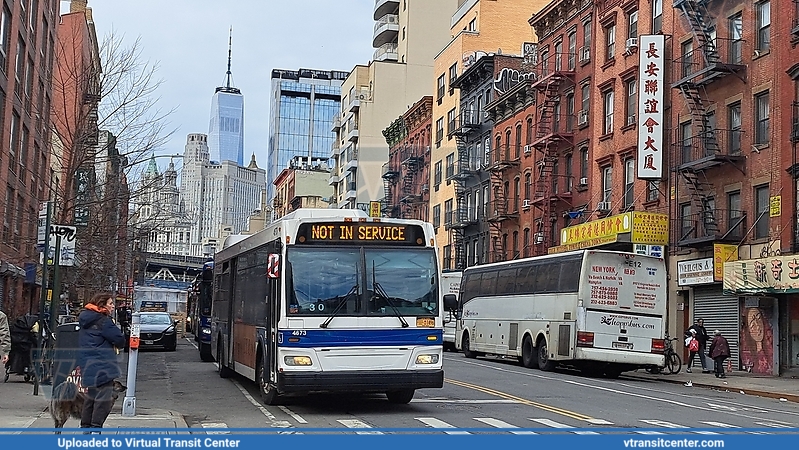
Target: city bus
[200, 296]
[603, 312]
[328, 300]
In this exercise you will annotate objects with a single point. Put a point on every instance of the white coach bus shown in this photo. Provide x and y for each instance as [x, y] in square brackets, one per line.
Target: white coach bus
[603, 312]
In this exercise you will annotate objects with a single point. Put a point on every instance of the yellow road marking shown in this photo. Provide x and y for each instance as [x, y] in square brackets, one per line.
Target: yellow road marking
[524, 401]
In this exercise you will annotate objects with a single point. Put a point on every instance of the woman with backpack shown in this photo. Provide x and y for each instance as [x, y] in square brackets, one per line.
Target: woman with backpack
[693, 347]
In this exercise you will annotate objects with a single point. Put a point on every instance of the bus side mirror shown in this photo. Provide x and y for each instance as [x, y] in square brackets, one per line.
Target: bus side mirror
[450, 302]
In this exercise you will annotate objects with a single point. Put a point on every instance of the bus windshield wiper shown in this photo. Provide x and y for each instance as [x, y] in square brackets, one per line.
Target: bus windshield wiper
[338, 307]
[381, 293]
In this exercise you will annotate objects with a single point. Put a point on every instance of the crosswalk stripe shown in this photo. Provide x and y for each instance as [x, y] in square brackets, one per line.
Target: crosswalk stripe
[599, 422]
[217, 425]
[436, 423]
[553, 424]
[649, 432]
[773, 425]
[663, 424]
[496, 423]
[726, 425]
[355, 423]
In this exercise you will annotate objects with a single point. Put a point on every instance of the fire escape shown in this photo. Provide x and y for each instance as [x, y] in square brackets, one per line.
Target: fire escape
[466, 124]
[412, 162]
[553, 132]
[706, 147]
[499, 212]
[391, 173]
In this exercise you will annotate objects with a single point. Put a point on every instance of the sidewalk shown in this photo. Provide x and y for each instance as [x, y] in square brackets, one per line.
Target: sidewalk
[736, 381]
[19, 408]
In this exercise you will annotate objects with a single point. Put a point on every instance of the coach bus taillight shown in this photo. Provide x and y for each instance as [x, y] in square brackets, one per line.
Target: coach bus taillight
[658, 346]
[585, 339]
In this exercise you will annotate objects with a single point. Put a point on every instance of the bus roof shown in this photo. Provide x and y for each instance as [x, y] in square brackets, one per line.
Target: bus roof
[550, 256]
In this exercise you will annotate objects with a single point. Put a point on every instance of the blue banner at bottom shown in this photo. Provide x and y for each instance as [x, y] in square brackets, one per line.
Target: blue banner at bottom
[256, 441]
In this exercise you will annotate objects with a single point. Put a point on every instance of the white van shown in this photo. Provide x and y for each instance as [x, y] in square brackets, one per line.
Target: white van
[450, 284]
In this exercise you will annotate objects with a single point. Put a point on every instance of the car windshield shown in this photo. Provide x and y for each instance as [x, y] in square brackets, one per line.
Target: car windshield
[155, 319]
[372, 282]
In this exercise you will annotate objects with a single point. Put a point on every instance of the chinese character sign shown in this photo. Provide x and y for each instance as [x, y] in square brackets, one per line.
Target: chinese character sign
[650, 106]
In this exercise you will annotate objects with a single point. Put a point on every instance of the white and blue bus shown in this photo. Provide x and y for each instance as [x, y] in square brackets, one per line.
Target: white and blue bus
[327, 300]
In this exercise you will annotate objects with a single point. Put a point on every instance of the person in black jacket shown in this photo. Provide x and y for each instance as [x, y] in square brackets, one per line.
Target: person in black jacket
[702, 337]
[97, 339]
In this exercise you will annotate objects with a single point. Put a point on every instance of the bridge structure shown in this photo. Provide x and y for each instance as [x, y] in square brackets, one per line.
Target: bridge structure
[167, 271]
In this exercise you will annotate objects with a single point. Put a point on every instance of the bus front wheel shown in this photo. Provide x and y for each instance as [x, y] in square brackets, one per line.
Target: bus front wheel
[205, 352]
[544, 362]
[269, 394]
[402, 397]
[529, 356]
[223, 370]
[467, 352]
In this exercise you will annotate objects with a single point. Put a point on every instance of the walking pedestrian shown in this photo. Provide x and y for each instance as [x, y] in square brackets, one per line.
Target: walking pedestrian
[719, 351]
[693, 347]
[97, 339]
[5, 338]
[702, 337]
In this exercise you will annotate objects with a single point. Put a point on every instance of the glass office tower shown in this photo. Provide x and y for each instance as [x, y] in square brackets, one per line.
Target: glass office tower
[226, 130]
[304, 104]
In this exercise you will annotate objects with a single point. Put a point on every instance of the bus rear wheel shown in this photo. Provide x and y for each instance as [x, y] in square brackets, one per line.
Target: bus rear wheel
[544, 362]
[269, 394]
[402, 397]
[529, 356]
[205, 352]
[467, 352]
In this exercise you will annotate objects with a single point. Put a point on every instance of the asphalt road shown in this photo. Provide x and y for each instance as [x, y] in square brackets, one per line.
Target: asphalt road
[478, 394]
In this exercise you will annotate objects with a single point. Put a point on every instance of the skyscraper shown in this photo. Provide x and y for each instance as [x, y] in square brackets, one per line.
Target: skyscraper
[226, 130]
[304, 103]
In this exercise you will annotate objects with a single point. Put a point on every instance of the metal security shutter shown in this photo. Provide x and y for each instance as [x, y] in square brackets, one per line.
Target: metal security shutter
[720, 312]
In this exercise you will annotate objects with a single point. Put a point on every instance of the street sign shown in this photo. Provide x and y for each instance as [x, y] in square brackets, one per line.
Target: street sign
[374, 209]
[42, 223]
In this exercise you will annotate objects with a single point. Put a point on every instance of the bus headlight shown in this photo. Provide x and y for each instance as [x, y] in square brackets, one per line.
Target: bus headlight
[427, 359]
[297, 361]
[206, 330]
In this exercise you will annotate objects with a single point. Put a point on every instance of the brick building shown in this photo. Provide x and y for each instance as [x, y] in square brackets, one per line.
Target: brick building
[27, 36]
[406, 175]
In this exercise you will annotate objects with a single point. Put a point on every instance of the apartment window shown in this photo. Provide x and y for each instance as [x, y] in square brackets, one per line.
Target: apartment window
[453, 73]
[657, 16]
[517, 192]
[507, 145]
[570, 111]
[585, 98]
[761, 118]
[761, 206]
[472, 25]
[440, 88]
[572, 50]
[652, 190]
[686, 221]
[450, 121]
[584, 162]
[631, 106]
[14, 143]
[686, 58]
[450, 165]
[528, 183]
[629, 182]
[734, 211]
[5, 37]
[19, 67]
[734, 112]
[555, 176]
[544, 63]
[686, 142]
[526, 242]
[736, 38]
[447, 257]
[610, 42]
[559, 56]
[487, 150]
[439, 131]
[518, 141]
[763, 25]
[569, 177]
[632, 28]
[556, 116]
[515, 244]
[607, 183]
[587, 34]
[437, 174]
[486, 198]
[469, 208]
[436, 216]
[607, 110]
[529, 131]
[448, 212]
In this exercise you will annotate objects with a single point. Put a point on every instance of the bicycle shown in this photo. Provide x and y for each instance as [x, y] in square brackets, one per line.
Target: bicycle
[672, 362]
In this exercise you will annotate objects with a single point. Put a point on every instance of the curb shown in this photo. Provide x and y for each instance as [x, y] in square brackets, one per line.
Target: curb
[794, 398]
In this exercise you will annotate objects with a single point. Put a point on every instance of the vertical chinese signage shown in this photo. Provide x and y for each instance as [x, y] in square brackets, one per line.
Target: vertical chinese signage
[650, 106]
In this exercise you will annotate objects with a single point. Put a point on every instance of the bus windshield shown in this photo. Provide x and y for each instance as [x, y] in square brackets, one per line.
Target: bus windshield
[321, 280]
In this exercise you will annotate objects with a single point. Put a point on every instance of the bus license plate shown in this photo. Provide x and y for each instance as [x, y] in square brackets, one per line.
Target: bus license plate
[624, 345]
[148, 342]
[425, 322]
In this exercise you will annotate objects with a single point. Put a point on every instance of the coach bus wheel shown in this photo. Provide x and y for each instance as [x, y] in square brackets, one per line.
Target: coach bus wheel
[205, 353]
[467, 352]
[529, 356]
[543, 357]
[402, 397]
[224, 371]
[268, 392]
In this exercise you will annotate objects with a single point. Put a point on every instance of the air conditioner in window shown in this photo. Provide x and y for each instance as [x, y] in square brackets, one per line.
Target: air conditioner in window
[528, 149]
[584, 181]
[425, 188]
[525, 203]
[539, 238]
[603, 206]
[630, 44]
[585, 54]
[631, 119]
[582, 117]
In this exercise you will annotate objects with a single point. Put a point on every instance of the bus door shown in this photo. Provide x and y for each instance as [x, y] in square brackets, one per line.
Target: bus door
[275, 274]
[231, 322]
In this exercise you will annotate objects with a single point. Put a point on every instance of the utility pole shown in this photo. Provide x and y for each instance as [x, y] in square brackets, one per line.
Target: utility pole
[54, 302]
[43, 297]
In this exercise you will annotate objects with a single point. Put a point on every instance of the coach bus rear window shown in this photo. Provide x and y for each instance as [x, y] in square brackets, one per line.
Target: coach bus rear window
[361, 282]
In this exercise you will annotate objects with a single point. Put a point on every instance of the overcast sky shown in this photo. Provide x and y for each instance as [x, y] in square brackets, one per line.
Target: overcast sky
[189, 39]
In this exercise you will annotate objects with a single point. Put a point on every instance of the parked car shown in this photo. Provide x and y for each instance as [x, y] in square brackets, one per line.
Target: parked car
[158, 330]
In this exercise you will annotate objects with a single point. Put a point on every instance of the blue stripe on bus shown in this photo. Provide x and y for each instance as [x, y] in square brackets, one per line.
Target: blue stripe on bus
[353, 338]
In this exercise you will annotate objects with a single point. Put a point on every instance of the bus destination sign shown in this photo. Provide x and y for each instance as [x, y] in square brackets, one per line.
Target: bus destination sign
[363, 233]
